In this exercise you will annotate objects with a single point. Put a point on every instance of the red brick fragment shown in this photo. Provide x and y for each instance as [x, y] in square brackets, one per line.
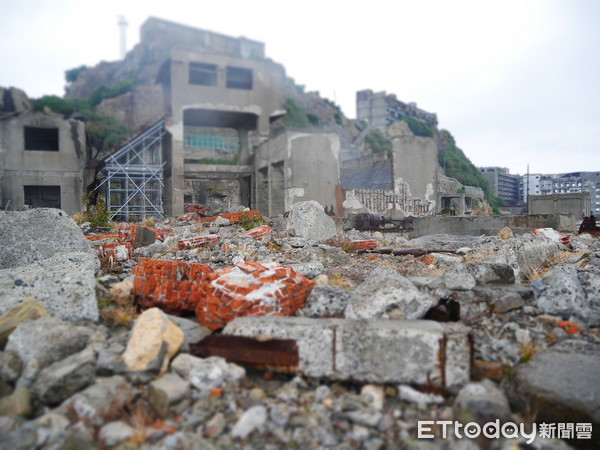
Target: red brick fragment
[250, 288]
[128, 233]
[168, 284]
[259, 232]
[199, 241]
[119, 251]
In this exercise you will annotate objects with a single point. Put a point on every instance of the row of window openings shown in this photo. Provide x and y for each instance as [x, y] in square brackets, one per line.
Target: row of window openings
[214, 142]
[207, 75]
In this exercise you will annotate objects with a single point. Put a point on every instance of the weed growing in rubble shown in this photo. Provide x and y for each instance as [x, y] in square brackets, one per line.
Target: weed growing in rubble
[550, 262]
[248, 222]
[119, 316]
[528, 351]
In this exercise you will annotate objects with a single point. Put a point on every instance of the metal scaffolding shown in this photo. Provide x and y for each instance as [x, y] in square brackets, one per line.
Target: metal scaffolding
[134, 177]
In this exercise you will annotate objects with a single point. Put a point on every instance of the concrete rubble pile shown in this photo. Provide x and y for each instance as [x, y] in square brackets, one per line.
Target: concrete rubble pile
[241, 331]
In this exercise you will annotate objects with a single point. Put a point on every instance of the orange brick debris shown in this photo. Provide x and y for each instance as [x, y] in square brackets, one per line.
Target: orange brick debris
[168, 284]
[250, 289]
[199, 241]
[259, 232]
[98, 237]
[569, 327]
[119, 251]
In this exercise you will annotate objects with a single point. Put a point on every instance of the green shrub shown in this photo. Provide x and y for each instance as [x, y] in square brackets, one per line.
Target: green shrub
[104, 92]
[418, 127]
[71, 75]
[247, 222]
[313, 119]
[296, 116]
[377, 142]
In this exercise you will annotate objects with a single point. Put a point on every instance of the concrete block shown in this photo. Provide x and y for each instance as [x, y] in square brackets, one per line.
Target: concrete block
[375, 351]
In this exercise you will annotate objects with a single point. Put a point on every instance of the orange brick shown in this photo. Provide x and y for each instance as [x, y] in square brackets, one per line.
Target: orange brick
[168, 284]
[259, 232]
[249, 288]
[368, 244]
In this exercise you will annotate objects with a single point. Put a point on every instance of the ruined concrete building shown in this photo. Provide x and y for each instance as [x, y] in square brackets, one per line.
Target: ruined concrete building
[42, 156]
[205, 104]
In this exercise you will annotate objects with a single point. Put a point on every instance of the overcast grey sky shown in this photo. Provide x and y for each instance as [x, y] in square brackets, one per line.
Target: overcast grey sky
[515, 81]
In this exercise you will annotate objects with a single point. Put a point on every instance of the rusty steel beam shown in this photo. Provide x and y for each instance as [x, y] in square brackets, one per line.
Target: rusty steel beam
[275, 354]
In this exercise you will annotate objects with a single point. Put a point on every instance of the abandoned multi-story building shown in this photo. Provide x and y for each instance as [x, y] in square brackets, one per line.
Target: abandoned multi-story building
[503, 184]
[42, 156]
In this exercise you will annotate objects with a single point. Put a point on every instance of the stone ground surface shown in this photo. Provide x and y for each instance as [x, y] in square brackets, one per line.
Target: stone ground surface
[372, 363]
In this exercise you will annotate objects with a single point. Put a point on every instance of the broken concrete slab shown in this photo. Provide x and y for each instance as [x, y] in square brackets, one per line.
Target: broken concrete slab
[491, 273]
[38, 234]
[385, 293]
[65, 283]
[326, 301]
[308, 220]
[375, 351]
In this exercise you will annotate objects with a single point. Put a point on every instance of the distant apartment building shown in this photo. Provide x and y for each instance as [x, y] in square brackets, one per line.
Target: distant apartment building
[503, 184]
[530, 185]
[571, 183]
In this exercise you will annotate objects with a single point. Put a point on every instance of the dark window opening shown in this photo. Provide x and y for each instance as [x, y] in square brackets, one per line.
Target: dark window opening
[41, 139]
[42, 196]
[204, 74]
[239, 78]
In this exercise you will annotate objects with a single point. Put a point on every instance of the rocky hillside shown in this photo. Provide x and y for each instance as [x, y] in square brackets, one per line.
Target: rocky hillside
[456, 328]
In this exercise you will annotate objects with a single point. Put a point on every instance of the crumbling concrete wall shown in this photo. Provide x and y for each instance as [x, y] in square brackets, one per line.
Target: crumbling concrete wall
[578, 203]
[63, 167]
[489, 225]
[295, 167]
[416, 164]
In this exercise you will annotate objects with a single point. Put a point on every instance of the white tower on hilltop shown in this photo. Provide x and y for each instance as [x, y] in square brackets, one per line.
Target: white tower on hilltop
[123, 36]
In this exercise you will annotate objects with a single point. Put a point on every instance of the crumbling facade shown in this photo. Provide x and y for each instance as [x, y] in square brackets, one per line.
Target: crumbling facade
[220, 95]
[42, 157]
[381, 110]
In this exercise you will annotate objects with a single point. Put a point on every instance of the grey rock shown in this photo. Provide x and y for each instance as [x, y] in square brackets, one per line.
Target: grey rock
[531, 254]
[326, 301]
[96, 401]
[560, 292]
[114, 433]
[327, 255]
[309, 270]
[221, 222]
[85, 227]
[308, 219]
[458, 280]
[30, 309]
[206, 373]
[192, 330]
[17, 404]
[445, 241]
[564, 387]
[296, 242]
[169, 392]
[64, 283]
[252, 419]
[507, 303]
[280, 414]
[215, 426]
[411, 395]
[62, 379]
[481, 402]
[492, 273]
[38, 234]
[39, 343]
[10, 367]
[151, 250]
[384, 291]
